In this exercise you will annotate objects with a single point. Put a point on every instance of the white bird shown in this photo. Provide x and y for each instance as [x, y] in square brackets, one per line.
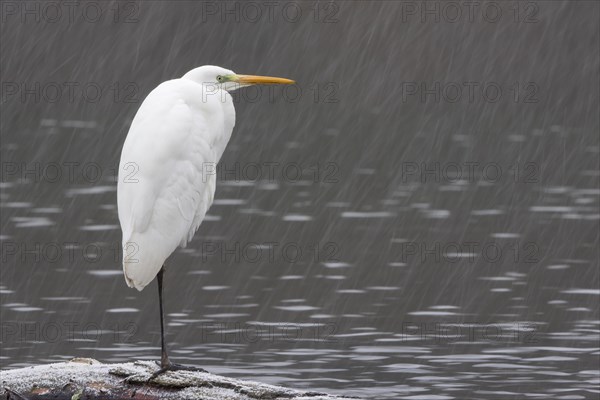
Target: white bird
[167, 172]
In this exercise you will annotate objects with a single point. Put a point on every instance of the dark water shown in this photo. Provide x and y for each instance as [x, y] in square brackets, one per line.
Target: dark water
[421, 221]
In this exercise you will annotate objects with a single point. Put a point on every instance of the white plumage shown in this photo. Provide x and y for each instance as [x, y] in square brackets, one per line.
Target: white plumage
[167, 172]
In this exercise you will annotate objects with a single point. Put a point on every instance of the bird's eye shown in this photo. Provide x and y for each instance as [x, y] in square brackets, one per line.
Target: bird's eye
[219, 78]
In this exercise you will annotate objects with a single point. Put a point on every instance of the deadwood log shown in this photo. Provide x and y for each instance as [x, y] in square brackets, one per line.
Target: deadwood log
[84, 379]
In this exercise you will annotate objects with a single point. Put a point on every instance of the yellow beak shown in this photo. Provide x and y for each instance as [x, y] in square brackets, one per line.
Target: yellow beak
[262, 80]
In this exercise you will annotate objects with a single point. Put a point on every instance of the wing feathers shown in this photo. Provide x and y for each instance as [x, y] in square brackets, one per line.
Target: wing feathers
[170, 145]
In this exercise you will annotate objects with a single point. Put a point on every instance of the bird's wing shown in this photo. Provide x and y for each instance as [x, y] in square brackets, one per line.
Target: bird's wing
[166, 184]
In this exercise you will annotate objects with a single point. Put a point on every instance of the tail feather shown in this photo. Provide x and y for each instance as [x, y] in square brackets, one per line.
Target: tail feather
[142, 260]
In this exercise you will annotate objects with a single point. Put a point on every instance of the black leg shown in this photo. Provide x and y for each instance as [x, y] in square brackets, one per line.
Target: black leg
[164, 359]
[165, 363]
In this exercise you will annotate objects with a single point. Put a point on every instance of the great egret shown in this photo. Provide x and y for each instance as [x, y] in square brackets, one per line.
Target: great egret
[167, 171]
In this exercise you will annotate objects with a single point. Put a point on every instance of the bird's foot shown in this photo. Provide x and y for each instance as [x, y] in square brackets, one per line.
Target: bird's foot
[174, 367]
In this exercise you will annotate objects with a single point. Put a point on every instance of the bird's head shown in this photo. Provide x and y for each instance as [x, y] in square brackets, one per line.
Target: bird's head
[222, 78]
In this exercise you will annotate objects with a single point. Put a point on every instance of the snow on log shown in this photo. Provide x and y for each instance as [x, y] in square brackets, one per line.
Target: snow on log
[85, 378]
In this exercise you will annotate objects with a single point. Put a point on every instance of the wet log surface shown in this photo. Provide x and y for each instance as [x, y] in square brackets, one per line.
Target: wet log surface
[84, 378]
